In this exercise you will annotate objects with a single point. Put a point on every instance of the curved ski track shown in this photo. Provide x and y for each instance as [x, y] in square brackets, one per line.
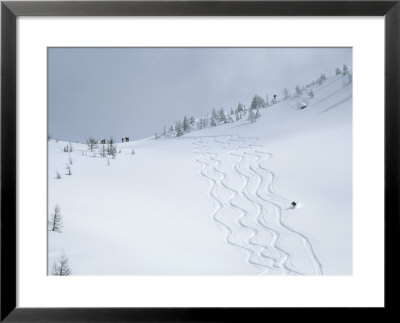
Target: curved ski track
[264, 224]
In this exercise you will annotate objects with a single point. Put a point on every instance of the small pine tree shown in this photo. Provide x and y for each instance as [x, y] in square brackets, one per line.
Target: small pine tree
[222, 116]
[350, 77]
[132, 152]
[186, 124]
[298, 91]
[213, 123]
[232, 112]
[338, 71]
[237, 116]
[214, 114]
[92, 143]
[192, 121]
[257, 102]
[58, 176]
[345, 69]
[54, 222]
[156, 136]
[111, 148]
[171, 129]
[240, 107]
[311, 94]
[178, 129]
[61, 266]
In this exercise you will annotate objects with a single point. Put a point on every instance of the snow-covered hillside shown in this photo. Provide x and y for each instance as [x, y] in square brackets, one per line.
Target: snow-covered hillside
[215, 201]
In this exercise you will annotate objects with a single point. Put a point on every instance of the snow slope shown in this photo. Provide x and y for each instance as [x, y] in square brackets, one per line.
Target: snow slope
[215, 201]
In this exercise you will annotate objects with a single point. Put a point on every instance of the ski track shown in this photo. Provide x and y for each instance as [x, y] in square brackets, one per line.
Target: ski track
[270, 258]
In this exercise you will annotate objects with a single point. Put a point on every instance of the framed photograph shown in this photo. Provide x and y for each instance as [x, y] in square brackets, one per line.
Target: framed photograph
[197, 160]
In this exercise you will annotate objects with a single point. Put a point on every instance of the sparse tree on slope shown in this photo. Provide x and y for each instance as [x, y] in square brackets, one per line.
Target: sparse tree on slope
[178, 129]
[257, 102]
[213, 123]
[222, 116]
[240, 107]
[55, 222]
[298, 91]
[61, 266]
[111, 148]
[185, 124]
[92, 143]
[338, 71]
[345, 69]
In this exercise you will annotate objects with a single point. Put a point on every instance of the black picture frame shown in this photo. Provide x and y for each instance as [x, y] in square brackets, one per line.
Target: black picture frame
[10, 10]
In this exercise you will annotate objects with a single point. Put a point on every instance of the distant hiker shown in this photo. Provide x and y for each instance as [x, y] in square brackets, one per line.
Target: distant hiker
[126, 139]
[122, 139]
[274, 96]
[293, 205]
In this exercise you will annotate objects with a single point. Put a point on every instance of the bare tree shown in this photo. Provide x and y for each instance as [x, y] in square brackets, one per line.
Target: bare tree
[61, 266]
[92, 143]
[55, 222]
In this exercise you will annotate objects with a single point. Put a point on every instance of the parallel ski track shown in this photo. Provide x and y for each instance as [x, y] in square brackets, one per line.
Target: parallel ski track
[210, 164]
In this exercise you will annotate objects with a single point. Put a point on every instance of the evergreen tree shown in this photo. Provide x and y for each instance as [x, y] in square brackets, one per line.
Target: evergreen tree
[298, 90]
[257, 102]
[232, 112]
[222, 116]
[92, 143]
[213, 123]
[214, 114]
[178, 129]
[186, 124]
[311, 94]
[338, 71]
[240, 107]
[111, 148]
[192, 121]
[345, 69]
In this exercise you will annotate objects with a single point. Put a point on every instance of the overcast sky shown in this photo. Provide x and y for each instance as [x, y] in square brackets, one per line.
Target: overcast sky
[134, 92]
